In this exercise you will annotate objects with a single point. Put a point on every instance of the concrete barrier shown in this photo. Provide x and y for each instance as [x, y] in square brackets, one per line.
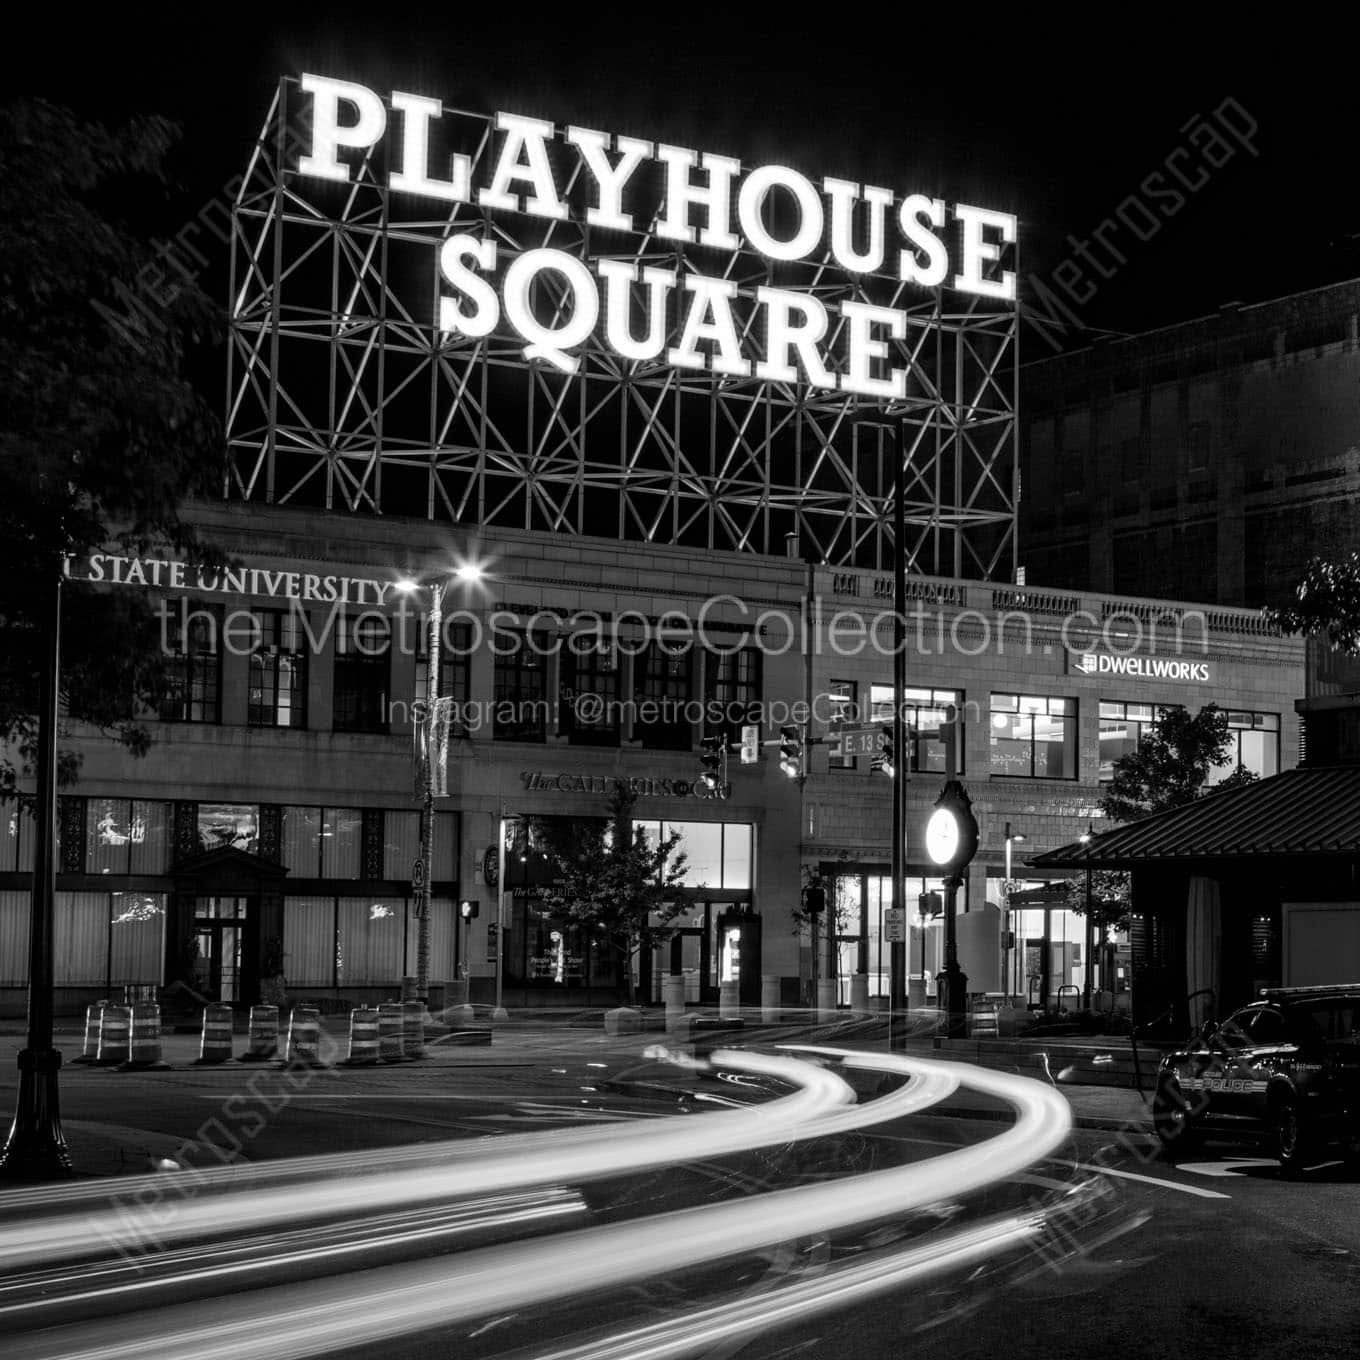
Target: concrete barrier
[729, 1000]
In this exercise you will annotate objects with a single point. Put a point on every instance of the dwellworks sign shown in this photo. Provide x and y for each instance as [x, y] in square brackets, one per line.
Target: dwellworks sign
[1141, 667]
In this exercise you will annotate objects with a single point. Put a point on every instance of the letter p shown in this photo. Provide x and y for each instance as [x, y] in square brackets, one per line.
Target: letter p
[328, 135]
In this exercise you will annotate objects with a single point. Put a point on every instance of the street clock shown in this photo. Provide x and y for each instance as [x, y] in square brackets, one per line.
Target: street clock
[952, 831]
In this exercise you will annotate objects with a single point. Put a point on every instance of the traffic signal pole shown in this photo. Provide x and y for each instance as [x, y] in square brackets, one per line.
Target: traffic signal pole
[897, 971]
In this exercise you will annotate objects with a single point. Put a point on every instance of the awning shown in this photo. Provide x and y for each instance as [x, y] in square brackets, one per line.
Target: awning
[1309, 811]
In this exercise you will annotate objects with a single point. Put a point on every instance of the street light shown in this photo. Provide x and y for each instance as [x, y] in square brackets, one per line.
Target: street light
[36, 1146]
[422, 870]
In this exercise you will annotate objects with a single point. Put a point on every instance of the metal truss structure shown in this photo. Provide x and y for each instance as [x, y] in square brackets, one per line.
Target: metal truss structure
[343, 394]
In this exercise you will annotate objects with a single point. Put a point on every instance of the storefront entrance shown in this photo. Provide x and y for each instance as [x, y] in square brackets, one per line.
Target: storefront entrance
[221, 928]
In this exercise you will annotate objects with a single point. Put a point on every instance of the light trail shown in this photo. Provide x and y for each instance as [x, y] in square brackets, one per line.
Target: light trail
[446, 1170]
[326, 1316]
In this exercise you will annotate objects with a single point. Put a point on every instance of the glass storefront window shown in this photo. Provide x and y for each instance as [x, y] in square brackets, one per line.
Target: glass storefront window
[369, 936]
[401, 843]
[302, 841]
[309, 941]
[136, 937]
[236, 825]
[341, 842]
[736, 851]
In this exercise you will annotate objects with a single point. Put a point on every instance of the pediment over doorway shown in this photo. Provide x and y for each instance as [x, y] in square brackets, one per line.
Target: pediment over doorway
[226, 869]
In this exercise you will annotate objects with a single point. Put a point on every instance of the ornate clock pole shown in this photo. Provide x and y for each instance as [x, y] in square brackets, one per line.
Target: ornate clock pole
[951, 842]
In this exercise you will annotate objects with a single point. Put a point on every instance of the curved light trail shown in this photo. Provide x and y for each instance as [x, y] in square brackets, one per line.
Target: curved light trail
[326, 1316]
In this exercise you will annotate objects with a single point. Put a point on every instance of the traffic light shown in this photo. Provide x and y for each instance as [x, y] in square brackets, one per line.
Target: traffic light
[791, 751]
[469, 910]
[712, 751]
[814, 899]
[882, 761]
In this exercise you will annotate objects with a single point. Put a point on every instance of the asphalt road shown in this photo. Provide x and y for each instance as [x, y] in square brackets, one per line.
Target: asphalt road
[1218, 1256]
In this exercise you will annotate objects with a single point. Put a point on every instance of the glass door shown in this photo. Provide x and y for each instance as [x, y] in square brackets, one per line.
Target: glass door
[219, 933]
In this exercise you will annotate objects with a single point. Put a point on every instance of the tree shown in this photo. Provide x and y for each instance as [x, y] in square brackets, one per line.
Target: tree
[610, 877]
[102, 434]
[1328, 603]
[1172, 764]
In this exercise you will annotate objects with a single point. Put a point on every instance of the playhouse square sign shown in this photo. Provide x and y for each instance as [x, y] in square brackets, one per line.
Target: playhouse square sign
[554, 300]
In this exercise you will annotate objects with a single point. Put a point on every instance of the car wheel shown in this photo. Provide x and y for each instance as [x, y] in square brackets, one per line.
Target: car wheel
[1293, 1143]
[1171, 1117]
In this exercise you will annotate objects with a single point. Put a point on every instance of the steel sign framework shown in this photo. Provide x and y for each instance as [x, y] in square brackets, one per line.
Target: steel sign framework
[343, 393]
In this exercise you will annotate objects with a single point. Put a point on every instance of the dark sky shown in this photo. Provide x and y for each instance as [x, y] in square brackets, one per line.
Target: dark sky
[1059, 118]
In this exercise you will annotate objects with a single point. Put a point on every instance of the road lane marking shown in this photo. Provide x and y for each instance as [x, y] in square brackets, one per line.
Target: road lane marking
[1230, 1167]
[1156, 1180]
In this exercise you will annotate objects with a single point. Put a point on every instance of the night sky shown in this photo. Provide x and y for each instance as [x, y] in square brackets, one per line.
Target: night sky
[1059, 119]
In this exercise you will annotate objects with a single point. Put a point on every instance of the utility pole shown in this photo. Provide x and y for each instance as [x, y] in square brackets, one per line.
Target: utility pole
[897, 962]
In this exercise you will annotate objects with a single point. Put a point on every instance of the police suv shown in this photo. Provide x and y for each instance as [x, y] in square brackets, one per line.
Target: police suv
[1285, 1069]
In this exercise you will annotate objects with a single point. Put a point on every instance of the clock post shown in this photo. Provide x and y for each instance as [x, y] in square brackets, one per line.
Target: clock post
[951, 842]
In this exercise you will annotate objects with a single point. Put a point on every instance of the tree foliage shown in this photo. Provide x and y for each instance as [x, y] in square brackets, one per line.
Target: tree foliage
[102, 435]
[1172, 764]
[1328, 603]
[609, 876]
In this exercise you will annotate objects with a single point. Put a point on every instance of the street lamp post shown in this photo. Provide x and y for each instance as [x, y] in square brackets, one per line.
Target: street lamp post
[422, 879]
[36, 1146]
[951, 842]
[1085, 838]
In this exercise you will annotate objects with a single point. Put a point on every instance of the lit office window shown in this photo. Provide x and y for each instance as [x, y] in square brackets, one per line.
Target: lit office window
[928, 714]
[841, 706]
[731, 692]
[588, 693]
[1033, 736]
[278, 671]
[1255, 744]
[455, 661]
[1122, 728]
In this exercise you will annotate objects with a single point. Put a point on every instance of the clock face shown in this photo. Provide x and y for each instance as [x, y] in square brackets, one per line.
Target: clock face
[942, 836]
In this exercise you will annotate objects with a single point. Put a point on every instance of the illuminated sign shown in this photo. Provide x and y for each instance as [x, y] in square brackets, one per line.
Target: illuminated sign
[648, 308]
[1140, 667]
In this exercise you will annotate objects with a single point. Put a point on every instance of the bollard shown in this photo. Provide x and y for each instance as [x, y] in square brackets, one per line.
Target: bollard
[413, 1029]
[363, 1037]
[304, 1030]
[826, 998]
[769, 998]
[390, 1032]
[90, 1049]
[859, 994]
[673, 991]
[145, 1047]
[729, 1000]
[115, 1030]
[215, 1046]
[263, 1039]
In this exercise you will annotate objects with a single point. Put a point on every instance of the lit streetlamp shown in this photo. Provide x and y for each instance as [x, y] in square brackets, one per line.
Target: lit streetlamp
[422, 870]
[1085, 838]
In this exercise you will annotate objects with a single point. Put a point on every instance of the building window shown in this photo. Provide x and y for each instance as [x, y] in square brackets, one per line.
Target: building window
[363, 648]
[731, 693]
[842, 707]
[928, 714]
[1197, 447]
[278, 671]
[662, 690]
[1132, 464]
[1033, 736]
[588, 693]
[455, 675]
[234, 826]
[519, 687]
[1122, 728]
[193, 675]
[1255, 745]
[127, 836]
